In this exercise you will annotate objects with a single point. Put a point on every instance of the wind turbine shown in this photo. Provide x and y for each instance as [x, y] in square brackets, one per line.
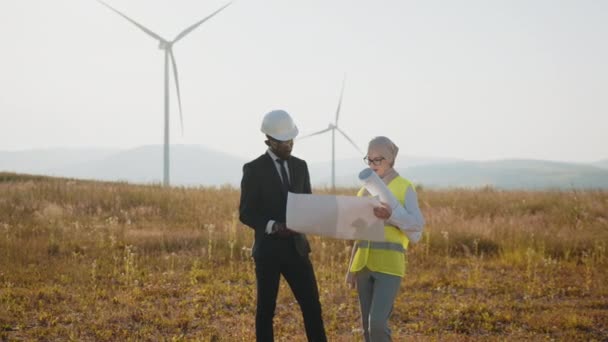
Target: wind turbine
[167, 46]
[333, 127]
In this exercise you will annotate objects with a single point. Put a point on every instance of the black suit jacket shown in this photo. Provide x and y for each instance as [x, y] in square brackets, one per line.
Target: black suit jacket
[262, 200]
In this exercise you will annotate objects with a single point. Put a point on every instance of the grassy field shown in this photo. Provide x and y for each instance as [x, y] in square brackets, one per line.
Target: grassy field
[110, 262]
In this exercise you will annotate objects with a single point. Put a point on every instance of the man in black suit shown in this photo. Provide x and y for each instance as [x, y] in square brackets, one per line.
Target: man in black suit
[277, 249]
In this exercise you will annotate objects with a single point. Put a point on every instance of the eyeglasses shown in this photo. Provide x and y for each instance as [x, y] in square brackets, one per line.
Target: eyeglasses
[279, 142]
[376, 161]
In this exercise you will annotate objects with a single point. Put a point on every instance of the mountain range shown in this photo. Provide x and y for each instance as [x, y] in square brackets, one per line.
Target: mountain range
[193, 165]
[601, 164]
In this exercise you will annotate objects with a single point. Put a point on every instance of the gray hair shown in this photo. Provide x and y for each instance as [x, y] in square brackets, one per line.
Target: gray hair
[386, 147]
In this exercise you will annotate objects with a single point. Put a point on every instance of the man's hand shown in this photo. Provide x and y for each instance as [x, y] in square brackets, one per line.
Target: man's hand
[281, 230]
[383, 212]
[351, 280]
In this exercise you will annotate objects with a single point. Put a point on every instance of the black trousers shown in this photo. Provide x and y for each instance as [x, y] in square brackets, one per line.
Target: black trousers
[300, 276]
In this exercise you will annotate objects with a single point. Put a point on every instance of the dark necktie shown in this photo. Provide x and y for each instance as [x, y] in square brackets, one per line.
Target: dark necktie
[283, 175]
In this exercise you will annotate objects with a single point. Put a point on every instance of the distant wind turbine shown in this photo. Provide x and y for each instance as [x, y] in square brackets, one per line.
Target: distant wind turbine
[333, 127]
[167, 45]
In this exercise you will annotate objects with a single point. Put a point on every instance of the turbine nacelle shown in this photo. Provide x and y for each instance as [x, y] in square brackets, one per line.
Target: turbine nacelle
[165, 45]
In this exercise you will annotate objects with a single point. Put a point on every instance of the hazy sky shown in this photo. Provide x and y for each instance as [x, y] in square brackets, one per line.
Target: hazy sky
[461, 79]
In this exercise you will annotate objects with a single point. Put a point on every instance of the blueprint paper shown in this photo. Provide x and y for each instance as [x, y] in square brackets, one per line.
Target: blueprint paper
[376, 187]
[340, 217]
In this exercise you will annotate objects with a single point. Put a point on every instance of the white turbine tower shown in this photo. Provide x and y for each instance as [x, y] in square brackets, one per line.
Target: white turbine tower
[167, 46]
[333, 127]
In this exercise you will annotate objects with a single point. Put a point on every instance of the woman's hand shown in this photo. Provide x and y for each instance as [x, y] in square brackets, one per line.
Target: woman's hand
[351, 280]
[383, 212]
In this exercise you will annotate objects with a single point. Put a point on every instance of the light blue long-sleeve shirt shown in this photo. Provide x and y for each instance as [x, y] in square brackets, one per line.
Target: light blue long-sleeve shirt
[408, 218]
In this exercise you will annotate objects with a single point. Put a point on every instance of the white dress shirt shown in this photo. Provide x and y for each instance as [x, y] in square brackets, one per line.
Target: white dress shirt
[278, 166]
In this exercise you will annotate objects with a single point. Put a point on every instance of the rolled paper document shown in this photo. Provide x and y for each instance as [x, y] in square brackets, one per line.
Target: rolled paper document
[376, 187]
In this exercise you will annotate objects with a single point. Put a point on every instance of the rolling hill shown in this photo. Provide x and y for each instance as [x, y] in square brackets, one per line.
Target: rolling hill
[199, 166]
[510, 174]
[601, 164]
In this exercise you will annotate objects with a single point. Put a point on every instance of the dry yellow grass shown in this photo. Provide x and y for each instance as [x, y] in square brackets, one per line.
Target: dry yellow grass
[109, 261]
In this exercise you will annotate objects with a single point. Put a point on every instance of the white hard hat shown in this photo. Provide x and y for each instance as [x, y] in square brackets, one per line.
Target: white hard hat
[279, 125]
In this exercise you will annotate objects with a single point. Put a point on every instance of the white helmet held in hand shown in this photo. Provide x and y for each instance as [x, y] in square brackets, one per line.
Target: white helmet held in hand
[279, 125]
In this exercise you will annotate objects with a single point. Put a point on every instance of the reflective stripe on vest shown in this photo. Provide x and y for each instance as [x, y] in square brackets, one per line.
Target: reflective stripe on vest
[391, 246]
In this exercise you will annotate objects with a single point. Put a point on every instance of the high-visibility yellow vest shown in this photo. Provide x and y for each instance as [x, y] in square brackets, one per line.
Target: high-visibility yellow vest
[385, 257]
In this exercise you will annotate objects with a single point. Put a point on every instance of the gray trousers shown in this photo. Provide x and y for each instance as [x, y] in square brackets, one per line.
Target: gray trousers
[377, 292]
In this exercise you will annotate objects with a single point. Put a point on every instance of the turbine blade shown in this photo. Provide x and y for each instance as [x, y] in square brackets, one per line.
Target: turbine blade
[197, 24]
[340, 102]
[143, 28]
[350, 140]
[315, 133]
[179, 95]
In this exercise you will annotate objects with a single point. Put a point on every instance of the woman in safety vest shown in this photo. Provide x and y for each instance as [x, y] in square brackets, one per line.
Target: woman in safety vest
[376, 268]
